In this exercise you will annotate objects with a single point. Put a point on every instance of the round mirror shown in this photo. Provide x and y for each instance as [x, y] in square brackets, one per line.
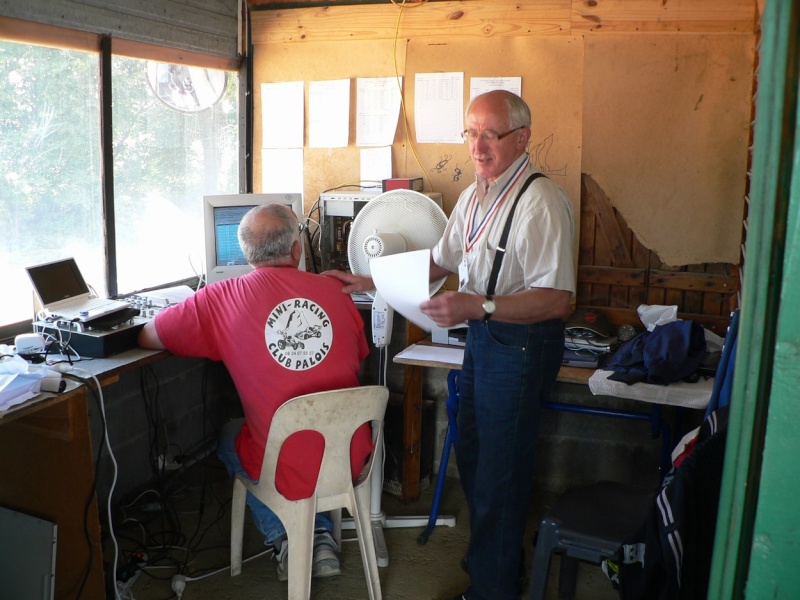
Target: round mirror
[185, 88]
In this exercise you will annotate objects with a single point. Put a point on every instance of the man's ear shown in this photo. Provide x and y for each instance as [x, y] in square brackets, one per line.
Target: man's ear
[297, 251]
[524, 137]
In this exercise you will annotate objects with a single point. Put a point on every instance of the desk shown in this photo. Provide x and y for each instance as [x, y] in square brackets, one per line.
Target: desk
[426, 354]
[47, 470]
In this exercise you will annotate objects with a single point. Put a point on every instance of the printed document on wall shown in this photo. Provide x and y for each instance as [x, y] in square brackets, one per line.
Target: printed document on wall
[329, 113]
[439, 107]
[282, 114]
[481, 85]
[377, 110]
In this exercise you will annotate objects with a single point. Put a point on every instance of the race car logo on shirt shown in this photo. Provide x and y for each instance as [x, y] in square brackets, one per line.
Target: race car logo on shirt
[298, 333]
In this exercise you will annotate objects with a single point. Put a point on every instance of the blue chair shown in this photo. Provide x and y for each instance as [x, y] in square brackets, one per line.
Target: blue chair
[449, 441]
[659, 427]
[590, 522]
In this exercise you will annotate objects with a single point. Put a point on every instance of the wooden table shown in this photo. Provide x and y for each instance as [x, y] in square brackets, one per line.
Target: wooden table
[47, 471]
[440, 356]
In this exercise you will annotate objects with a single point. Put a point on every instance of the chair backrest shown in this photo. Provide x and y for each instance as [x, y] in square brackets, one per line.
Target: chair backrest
[336, 415]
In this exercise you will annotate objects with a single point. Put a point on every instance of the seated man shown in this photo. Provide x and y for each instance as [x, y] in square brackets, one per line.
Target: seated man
[282, 333]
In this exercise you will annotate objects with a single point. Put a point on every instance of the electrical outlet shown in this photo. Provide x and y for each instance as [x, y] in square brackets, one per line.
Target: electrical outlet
[167, 463]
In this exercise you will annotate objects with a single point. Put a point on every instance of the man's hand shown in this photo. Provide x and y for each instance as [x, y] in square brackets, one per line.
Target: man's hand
[453, 308]
[530, 306]
[353, 283]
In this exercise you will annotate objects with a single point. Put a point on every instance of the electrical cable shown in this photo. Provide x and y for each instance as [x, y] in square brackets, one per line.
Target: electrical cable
[400, 87]
[83, 374]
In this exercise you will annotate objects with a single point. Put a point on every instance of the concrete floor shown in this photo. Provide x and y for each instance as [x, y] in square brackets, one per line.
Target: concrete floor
[415, 572]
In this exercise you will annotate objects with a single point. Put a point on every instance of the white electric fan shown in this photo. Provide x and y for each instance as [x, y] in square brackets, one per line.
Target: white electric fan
[393, 222]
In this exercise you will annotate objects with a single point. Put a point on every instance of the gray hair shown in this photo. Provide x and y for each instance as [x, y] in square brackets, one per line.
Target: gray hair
[266, 234]
[519, 114]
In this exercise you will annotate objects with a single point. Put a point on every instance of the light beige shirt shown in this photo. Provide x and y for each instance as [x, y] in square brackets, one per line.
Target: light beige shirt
[539, 250]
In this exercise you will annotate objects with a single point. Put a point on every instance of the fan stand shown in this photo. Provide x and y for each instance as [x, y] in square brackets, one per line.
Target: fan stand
[417, 221]
[378, 518]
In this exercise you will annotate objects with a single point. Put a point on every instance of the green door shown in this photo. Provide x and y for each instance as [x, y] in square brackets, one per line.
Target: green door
[757, 546]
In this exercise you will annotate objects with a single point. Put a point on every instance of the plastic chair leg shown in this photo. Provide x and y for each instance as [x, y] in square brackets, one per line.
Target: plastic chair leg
[546, 543]
[301, 552]
[366, 542]
[568, 577]
[449, 440]
[437, 495]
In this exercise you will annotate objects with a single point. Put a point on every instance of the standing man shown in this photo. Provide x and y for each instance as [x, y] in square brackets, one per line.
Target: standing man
[515, 340]
[282, 333]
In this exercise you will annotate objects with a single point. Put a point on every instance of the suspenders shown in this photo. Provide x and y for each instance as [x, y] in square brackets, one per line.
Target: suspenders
[501, 246]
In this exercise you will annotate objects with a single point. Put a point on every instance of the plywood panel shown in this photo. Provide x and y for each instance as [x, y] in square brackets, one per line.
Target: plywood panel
[325, 168]
[666, 126]
[659, 16]
[477, 20]
[495, 18]
[551, 82]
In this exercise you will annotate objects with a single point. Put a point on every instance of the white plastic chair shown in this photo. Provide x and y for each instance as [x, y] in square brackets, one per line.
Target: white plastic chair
[336, 415]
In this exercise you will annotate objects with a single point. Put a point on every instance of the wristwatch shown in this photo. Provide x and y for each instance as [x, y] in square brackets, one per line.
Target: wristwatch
[488, 307]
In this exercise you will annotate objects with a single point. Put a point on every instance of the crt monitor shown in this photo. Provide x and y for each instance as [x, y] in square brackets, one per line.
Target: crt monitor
[221, 217]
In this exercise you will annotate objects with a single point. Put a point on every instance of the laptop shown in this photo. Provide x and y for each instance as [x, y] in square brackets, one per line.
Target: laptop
[64, 295]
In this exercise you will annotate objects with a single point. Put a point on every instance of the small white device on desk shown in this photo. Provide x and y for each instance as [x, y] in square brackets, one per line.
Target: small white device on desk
[453, 336]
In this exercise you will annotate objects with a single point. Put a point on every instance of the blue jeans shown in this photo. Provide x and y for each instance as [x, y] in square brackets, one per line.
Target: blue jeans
[508, 371]
[266, 521]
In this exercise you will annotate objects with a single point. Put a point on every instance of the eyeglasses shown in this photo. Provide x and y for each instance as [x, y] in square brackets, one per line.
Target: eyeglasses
[489, 136]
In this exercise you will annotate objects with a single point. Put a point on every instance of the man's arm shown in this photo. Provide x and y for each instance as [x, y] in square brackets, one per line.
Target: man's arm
[530, 306]
[361, 283]
[148, 337]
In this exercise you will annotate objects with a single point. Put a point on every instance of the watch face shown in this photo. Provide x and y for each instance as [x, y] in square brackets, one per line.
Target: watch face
[488, 306]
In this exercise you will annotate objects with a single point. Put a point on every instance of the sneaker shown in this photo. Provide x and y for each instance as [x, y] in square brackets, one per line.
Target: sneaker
[282, 556]
[326, 561]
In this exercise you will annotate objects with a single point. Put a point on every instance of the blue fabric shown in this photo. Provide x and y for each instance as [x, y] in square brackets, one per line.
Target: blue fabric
[508, 371]
[266, 521]
[669, 353]
[723, 379]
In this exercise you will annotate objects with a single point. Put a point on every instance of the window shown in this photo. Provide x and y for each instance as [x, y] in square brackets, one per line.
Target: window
[50, 168]
[166, 157]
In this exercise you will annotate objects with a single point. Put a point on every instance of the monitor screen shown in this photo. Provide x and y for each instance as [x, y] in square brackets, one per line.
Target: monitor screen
[226, 226]
[221, 218]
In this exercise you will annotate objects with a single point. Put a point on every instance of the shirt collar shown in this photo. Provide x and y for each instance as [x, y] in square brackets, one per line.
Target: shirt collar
[482, 186]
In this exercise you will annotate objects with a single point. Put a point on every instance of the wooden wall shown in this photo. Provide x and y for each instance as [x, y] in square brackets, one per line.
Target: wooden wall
[650, 101]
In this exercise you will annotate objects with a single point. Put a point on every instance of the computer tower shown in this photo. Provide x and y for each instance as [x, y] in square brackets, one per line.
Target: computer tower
[338, 210]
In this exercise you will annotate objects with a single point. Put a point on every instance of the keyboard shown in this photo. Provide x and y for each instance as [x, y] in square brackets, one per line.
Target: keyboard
[91, 309]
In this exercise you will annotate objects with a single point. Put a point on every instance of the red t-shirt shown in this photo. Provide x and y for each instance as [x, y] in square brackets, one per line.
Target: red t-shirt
[281, 333]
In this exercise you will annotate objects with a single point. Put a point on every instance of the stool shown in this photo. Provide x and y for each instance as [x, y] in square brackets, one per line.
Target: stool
[587, 523]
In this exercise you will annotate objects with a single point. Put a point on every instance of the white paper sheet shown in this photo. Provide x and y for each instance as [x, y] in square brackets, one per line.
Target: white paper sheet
[439, 107]
[403, 281]
[282, 170]
[377, 108]
[448, 357]
[481, 85]
[376, 165]
[18, 383]
[282, 112]
[329, 113]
